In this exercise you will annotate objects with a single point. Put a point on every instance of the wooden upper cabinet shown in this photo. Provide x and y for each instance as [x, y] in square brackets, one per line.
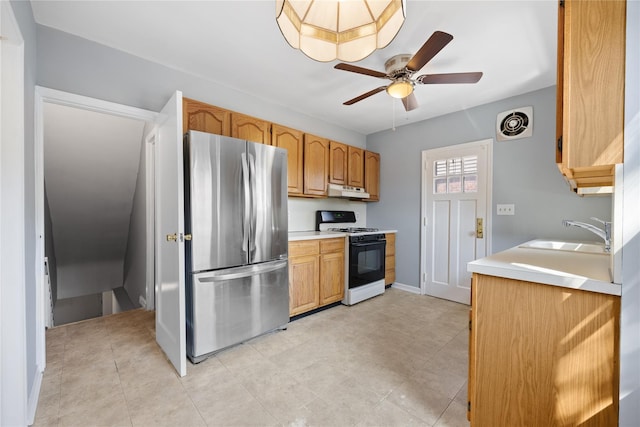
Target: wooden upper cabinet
[250, 128]
[338, 163]
[592, 57]
[291, 140]
[203, 117]
[316, 165]
[372, 175]
[356, 166]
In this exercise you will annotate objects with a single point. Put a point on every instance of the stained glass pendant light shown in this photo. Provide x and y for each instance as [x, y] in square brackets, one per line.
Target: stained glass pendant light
[348, 30]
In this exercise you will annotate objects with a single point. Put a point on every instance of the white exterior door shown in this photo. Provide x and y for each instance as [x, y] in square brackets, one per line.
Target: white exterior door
[170, 268]
[456, 195]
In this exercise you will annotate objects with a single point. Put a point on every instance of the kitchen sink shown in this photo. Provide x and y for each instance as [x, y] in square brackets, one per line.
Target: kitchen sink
[557, 245]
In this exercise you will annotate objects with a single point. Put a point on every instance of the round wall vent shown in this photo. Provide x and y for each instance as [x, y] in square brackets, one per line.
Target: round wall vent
[514, 124]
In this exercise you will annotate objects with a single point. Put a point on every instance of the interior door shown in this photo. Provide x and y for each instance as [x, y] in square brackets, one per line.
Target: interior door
[170, 268]
[455, 200]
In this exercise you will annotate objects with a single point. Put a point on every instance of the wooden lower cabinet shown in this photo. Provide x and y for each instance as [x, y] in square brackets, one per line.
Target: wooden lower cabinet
[390, 259]
[316, 274]
[542, 355]
[331, 271]
[304, 279]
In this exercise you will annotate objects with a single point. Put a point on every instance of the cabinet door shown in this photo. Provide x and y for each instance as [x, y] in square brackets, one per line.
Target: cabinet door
[316, 165]
[304, 274]
[250, 128]
[290, 140]
[331, 277]
[356, 167]
[551, 352]
[390, 259]
[372, 175]
[203, 117]
[592, 90]
[338, 166]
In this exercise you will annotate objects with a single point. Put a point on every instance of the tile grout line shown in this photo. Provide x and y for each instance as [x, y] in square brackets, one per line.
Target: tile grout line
[115, 363]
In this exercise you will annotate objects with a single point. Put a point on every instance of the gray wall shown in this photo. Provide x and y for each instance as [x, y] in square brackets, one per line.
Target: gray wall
[24, 17]
[72, 64]
[524, 173]
[69, 310]
[135, 261]
[630, 322]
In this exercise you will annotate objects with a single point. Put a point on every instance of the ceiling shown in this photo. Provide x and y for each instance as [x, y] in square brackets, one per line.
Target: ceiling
[238, 44]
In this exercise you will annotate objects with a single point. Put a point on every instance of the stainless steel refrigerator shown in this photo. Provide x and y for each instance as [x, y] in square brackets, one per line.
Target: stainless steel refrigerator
[236, 212]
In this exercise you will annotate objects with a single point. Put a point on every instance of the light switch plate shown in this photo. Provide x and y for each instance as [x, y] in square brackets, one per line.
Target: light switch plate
[505, 209]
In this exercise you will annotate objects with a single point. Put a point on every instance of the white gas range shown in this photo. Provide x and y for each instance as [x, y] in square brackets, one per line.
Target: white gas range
[366, 256]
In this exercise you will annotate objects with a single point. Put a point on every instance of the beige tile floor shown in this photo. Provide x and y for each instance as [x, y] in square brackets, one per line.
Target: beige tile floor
[395, 360]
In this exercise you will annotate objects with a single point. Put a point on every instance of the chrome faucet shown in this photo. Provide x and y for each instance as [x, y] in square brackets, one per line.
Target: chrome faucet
[604, 234]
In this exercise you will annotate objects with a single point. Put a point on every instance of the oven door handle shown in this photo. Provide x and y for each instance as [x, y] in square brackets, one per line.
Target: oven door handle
[378, 242]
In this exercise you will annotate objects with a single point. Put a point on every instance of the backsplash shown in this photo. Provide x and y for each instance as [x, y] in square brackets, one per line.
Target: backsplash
[302, 212]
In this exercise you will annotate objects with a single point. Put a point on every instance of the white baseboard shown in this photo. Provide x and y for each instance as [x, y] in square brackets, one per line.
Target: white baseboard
[32, 405]
[406, 288]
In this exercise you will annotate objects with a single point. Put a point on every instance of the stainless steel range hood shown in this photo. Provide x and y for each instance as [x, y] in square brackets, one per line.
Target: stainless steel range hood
[347, 192]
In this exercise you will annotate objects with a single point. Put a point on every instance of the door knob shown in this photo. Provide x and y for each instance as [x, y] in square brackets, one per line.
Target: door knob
[187, 237]
[172, 237]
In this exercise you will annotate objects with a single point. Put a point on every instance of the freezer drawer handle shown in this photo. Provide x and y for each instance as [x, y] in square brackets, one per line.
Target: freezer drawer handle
[244, 272]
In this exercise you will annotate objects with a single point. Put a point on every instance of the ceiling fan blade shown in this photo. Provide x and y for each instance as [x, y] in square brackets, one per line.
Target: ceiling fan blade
[360, 70]
[429, 49]
[410, 102]
[365, 95]
[449, 78]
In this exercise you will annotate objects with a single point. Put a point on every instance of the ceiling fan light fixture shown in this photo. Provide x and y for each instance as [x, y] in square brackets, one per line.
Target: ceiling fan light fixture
[348, 30]
[400, 89]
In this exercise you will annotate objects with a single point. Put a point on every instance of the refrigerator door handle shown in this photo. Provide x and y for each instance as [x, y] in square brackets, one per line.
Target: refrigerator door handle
[247, 202]
[254, 213]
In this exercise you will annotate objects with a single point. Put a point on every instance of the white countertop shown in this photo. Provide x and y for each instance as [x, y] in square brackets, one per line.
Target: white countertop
[575, 270]
[311, 235]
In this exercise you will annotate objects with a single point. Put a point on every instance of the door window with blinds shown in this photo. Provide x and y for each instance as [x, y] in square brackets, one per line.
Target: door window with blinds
[455, 175]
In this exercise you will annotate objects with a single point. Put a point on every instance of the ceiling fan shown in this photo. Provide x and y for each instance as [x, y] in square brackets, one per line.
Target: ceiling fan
[401, 68]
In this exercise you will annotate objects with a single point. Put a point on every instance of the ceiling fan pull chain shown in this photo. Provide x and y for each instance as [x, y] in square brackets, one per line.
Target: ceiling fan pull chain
[393, 114]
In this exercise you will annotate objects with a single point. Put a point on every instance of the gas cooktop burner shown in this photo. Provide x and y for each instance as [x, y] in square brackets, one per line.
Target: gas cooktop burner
[353, 229]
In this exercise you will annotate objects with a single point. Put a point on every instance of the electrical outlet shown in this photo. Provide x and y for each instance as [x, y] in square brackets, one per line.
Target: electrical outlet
[505, 209]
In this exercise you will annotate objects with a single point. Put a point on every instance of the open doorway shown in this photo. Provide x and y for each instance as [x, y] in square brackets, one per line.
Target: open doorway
[94, 205]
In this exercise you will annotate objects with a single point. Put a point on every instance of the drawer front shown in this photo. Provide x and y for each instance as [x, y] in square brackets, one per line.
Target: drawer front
[304, 248]
[331, 245]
